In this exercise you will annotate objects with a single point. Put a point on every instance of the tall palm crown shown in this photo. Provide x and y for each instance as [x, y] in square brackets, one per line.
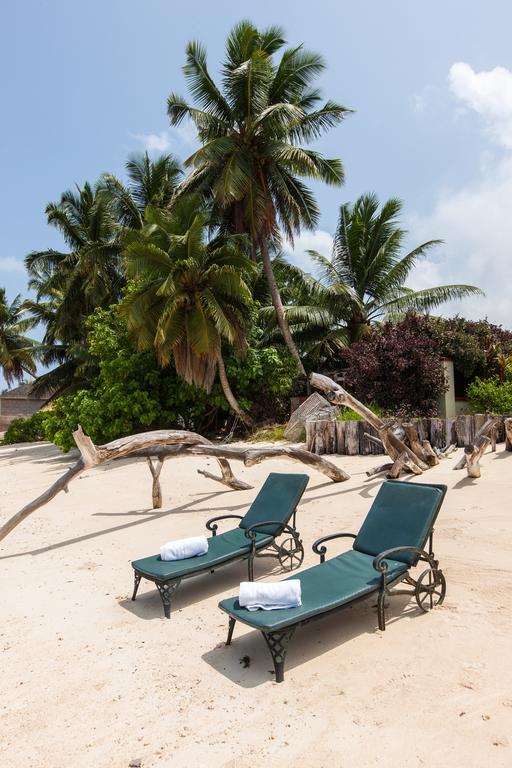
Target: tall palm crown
[364, 280]
[250, 163]
[150, 183]
[70, 285]
[189, 293]
[16, 349]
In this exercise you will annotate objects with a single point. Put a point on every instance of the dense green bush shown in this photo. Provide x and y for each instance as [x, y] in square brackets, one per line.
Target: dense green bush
[132, 393]
[490, 395]
[28, 430]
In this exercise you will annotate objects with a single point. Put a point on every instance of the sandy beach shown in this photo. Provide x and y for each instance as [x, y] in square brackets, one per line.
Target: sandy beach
[90, 678]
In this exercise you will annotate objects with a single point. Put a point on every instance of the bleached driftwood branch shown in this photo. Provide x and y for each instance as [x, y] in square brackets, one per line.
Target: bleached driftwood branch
[164, 444]
[474, 451]
[393, 446]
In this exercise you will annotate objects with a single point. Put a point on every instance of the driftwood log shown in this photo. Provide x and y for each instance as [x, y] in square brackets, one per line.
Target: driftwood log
[392, 444]
[474, 451]
[160, 445]
[472, 454]
[508, 434]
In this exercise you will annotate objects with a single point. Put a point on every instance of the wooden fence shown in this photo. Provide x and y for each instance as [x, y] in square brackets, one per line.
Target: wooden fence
[348, 437]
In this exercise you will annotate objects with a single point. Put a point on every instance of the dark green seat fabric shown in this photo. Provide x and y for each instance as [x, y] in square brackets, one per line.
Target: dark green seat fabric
[224, 546]
[324, 587]
[402, 514]
[277, 499]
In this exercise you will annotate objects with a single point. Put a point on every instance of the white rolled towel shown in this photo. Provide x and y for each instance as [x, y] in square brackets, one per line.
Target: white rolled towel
[270, 596]
[181, 549]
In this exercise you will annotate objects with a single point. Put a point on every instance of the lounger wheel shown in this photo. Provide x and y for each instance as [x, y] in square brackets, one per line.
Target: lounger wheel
[291, 554]
[430, 589]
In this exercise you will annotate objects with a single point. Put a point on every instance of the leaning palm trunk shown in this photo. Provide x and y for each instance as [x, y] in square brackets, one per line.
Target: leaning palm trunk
[278, 306]
[228, 393]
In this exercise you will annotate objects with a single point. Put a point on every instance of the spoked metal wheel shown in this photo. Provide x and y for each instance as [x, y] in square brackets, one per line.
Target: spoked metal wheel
[291, 554]
[430, 589]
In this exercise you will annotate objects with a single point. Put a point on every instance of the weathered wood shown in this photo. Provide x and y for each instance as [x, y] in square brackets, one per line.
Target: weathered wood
[429, 454]
[310, 435]
[337, 395]
[59, 485]
[437, 433]
[381, 468]
[340, 437]
[411, 433]
[507, 423]
[473, 455]
[352, 438]
[155, 470]
[165, 444]
[397, 466]
[494, 435]
[479, 419]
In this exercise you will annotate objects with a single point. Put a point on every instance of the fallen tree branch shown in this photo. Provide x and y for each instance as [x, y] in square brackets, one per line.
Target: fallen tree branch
[393, 446]
[164, 444]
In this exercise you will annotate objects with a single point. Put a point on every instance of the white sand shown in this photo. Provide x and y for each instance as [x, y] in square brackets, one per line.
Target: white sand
[89, 678]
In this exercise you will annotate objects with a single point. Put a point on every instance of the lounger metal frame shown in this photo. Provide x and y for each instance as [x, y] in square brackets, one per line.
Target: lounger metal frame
[290, 554]
[429, 590]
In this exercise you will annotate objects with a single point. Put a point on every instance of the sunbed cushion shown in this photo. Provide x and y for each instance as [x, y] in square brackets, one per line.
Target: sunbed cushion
[276, 500]
[324, 587]
[224, 546]
[402, 514]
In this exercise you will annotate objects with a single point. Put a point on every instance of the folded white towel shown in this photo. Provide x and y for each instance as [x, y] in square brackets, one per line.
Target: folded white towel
[181, 549]
[270, 596]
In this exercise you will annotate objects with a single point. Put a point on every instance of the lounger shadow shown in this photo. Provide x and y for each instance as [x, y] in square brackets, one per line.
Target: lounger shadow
[390, 542]
[267, 518]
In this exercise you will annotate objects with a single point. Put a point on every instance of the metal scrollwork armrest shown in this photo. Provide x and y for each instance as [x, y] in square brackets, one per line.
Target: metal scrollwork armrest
[379, 562]
[317, 549]
[212, 522]
[251, 531]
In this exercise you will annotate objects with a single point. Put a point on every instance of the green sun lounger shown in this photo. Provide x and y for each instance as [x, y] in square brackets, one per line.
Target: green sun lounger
[267, 518]
[391, 542]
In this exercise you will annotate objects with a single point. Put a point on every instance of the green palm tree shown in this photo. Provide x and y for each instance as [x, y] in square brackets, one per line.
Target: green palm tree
[17, 351]
[70, 285]
[364, 280]
[189, 294]
[251, 162]
[150, 183]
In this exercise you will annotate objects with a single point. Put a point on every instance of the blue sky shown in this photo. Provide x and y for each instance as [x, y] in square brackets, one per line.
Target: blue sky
[85, 84]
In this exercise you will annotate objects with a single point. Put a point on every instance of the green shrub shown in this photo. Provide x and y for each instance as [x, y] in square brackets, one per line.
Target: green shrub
[29, 430]
[347, 414]
[270, 434]
[131, 393]
[490, 395]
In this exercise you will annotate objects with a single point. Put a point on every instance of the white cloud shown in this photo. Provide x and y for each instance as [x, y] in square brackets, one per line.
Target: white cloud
[309, 241]
[10, 264]
[475, 220]
[489, 94]
[154, 142]
[476, 225]
[184, 135]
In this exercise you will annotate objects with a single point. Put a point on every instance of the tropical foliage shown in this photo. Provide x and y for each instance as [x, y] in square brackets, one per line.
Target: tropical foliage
[16, 349]
[190, 295]
[251, 162]
[363, 282]
[172, 302]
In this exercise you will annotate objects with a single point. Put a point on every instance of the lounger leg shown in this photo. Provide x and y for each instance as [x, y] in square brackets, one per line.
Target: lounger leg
[136, 581]
[231, 627]
[278, 645]
[250, 567]
[167, 590]
[381, 609]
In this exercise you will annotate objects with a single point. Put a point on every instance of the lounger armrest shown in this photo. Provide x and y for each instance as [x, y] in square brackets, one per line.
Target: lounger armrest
[379, 563]
[252, 530]
[318, 550]
[212, 522]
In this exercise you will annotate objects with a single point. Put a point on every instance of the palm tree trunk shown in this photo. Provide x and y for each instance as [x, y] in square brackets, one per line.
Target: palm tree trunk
[278, 306]
[228, 393]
